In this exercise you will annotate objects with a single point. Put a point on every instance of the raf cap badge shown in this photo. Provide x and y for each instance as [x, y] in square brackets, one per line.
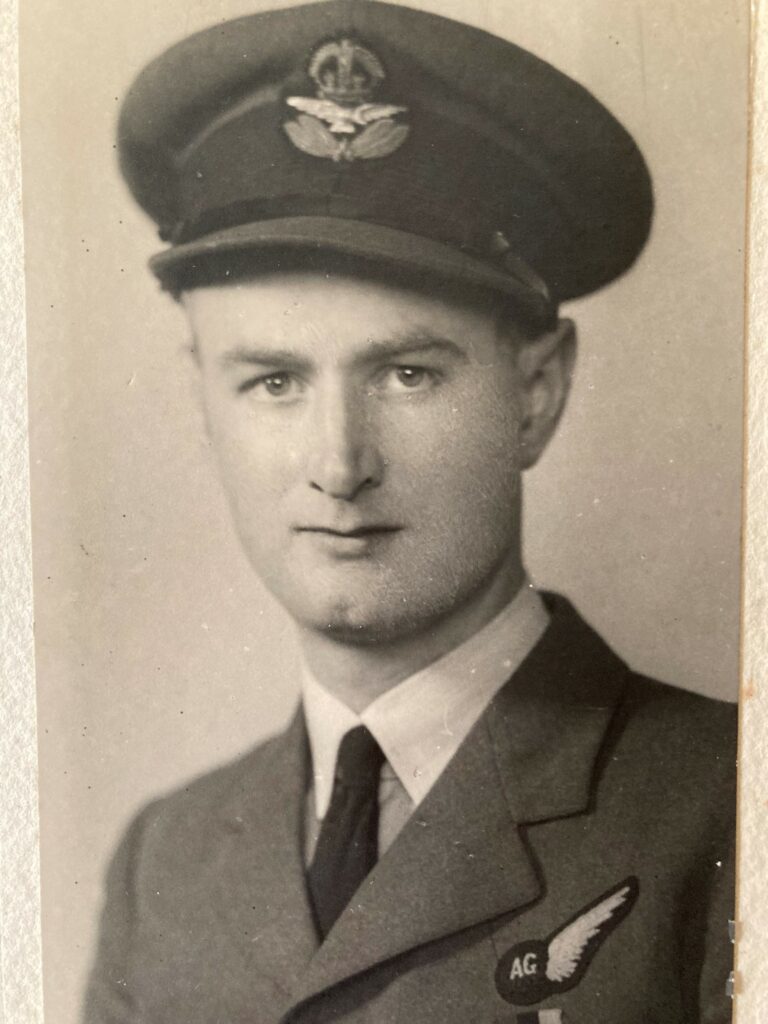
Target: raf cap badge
[536, 969]
[341, 123]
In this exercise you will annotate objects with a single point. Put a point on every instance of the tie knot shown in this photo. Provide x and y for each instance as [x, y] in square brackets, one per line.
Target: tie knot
[359, 759]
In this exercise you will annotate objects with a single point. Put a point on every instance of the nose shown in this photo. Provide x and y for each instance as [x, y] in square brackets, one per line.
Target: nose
[345, 456]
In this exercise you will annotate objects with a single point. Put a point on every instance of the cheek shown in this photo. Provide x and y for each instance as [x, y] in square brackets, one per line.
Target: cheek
[257, 456]
[467, 447]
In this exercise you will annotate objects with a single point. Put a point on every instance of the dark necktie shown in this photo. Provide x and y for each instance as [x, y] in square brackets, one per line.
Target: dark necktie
[347, 846]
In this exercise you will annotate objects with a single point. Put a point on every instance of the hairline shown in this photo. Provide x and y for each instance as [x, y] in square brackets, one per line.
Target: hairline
[511, 321]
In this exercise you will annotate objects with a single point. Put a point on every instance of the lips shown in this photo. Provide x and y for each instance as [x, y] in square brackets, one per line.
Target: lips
[351, 532]
[359, 541]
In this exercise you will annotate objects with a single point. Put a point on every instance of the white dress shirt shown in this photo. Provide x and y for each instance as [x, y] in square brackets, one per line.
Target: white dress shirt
[421, 722]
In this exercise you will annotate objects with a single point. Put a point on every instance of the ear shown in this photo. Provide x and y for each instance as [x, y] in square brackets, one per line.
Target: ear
[545, 367]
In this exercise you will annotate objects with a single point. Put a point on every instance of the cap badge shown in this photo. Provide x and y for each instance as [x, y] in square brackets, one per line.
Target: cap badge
[540, 968]
[340, 122]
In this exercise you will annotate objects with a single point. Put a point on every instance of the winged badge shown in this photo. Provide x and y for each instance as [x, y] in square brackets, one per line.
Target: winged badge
[381, 135]
[533, 970]
[341, 123]
[344, 120]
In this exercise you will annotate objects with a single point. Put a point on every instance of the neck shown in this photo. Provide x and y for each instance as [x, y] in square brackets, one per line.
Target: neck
[358, 674]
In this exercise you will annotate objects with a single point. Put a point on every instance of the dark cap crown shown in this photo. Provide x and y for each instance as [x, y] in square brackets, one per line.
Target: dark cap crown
[388, 134]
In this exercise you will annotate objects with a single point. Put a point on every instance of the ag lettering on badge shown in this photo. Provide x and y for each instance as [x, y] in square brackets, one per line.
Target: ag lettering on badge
[539, 968]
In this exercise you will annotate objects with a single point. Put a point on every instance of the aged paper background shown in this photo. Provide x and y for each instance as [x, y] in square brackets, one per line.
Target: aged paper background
[752, 929]
[19, 934]
[20, 971]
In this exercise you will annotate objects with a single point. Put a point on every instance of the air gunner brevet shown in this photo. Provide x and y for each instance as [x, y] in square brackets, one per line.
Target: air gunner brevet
[389, 135]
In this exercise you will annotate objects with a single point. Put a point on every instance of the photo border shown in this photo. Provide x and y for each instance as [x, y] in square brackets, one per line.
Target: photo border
[21, 1000]
[21, 991]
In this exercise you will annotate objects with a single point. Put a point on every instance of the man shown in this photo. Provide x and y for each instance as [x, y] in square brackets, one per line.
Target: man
[479, 813]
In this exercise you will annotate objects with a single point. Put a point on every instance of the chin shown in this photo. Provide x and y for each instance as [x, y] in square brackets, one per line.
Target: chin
[370, 618]
[352, 622]
[381, 607]
[349, 618]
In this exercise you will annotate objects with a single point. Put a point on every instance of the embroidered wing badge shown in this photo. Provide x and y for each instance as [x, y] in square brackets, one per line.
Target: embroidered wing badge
[341, 123]
[536, 969]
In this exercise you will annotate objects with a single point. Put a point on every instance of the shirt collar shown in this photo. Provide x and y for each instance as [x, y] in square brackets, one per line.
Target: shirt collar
[421, 722]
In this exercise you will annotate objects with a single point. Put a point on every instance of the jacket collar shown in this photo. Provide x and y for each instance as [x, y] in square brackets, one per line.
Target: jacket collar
[422, 721]
[533, 756]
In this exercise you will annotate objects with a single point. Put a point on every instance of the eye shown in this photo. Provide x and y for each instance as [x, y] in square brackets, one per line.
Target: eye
[277, 384]
[272, 386]
[400, 379]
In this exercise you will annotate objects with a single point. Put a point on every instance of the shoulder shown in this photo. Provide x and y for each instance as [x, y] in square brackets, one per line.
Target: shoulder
[212, 786]
[593, 673]
[185, 818]
[669, 702]
[676, 752]
[676, 717]
[664, 742]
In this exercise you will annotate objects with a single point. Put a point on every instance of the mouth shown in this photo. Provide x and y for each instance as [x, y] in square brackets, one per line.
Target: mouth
[356, 542]
[356, 532]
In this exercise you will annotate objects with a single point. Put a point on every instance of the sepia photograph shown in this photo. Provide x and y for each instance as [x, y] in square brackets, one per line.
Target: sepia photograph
[386, 433]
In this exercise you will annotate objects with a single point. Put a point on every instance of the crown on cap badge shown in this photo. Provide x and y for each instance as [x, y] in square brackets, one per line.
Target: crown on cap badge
[340, 122]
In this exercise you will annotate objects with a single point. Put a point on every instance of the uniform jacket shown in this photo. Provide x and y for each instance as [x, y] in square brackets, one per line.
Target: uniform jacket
[585, 796]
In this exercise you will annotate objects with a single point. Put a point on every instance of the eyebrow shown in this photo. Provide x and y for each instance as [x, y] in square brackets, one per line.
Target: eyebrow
[417, 341]
[414, 342]
[252, 355]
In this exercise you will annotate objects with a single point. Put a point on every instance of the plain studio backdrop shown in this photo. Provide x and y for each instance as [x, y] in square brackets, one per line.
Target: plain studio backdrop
[158, 653]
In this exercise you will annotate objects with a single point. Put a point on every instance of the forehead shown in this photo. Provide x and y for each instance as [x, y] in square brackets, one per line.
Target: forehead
[303, 307]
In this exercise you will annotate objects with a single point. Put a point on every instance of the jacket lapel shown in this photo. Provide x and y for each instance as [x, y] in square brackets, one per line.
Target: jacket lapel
[443, 873]
[259, 866]
[461, 859]
[550, 722]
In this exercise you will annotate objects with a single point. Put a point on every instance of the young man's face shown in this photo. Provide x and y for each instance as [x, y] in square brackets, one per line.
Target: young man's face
[369, 439]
